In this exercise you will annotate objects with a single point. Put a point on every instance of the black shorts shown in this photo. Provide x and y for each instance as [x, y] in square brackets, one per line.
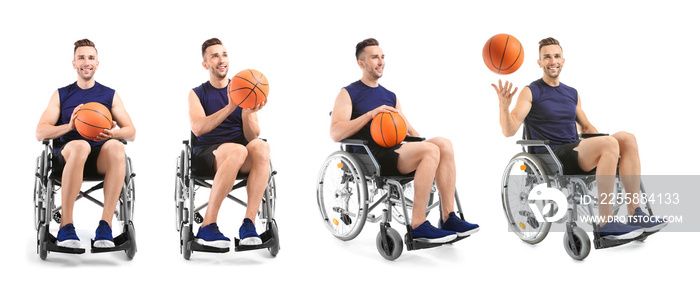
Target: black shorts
[90, 169]
[388, 159]
[203, 160]
[569, 159]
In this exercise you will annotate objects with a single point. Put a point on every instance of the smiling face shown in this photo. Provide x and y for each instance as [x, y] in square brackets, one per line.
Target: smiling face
[372, 62]
[85, 62]
[551, 60]
[216, 61]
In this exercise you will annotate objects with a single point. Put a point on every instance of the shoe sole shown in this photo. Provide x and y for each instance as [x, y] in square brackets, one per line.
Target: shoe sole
[467, 233]
[627, 236]
[444, 239]
[655, 228]
[215, 244]
[103, 244]
[75, 244]
[250, 241]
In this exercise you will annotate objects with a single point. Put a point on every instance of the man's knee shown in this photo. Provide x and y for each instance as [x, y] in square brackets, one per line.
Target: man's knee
[230, 153]
[431, 151]
[114, 150]
[445, 146]
[258, 150]
[626, 140]
[610, 147]
[76, 150]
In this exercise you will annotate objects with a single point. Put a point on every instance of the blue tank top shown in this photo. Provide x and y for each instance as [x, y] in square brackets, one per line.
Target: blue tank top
[70, 97]
[553, 114]
[230, 130]
[364, 99]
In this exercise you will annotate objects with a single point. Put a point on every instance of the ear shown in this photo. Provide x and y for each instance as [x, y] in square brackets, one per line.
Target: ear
[538, 63]
[73, 62]
[204, 64]
[361, 63]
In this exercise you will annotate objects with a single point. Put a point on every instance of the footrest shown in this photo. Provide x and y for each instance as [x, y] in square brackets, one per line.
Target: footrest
[602, 243]
[194, 246]
[51, 246]
[268, 240]
[121, 243]
[418, 245]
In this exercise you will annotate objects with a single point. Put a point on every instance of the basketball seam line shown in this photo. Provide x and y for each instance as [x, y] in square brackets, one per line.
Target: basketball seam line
[516, 59]
[96, 111]
[396, 130]
[91, 125]
[504, 53]
[381, 129]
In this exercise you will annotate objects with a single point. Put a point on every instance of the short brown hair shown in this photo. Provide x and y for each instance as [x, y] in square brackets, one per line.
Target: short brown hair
[548, 41]
[209, 42]
[362, 44]
[83, 42]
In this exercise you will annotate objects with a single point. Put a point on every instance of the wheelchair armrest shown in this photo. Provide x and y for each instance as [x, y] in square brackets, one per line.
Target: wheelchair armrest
[45, 141]
[591, 135]
[414, 139]
[532, 142]
[353, 142]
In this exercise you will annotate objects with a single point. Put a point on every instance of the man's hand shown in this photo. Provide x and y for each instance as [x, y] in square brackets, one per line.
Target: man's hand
[71, 124]
[505, 96]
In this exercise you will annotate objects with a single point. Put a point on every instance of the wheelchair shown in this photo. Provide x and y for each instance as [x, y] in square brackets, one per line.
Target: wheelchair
[526, 170]
[350, 186]
[186, 185]
[48, 182]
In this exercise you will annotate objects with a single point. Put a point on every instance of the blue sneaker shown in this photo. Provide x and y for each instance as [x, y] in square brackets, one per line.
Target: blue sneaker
[67, 237]
[648, 223]
[619, 231]
[103, 236]
[248, 235]
[430, 234]
[455, 224]
[212, 237]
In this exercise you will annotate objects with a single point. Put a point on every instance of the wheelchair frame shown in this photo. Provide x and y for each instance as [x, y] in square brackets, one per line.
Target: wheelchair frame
[186, 184]
[576, 240]
[365, 168]
[45, 209]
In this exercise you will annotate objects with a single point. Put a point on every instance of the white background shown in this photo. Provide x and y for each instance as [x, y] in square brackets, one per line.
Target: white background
[634, 64]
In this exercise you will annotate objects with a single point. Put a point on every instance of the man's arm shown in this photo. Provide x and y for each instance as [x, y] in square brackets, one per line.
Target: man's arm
[47, 129]
[251, 128]
[410, 131]
[200, 122]
[511, 121]
[341, 125]
[582, 120]
[120, 117]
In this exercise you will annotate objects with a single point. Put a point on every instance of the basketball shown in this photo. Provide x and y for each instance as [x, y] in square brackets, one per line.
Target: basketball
[248, 88]
[503, 54]
[388, 129]
[92, 119]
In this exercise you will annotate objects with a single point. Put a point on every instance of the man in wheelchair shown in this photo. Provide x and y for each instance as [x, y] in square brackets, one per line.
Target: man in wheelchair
[77, 156]
[357, 104]
[226, 143]
[552, 111]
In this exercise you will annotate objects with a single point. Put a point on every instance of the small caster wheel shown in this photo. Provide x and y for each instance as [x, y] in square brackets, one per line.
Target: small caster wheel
[272, 227]
[198, 218]
[185, 238]
[392, 247]
[57, 217]
[581, 242]
[129, 229]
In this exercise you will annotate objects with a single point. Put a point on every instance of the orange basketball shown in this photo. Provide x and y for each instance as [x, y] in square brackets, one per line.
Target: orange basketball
[388, 129]
[248, 88]
[92, 119]
[503, 54]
